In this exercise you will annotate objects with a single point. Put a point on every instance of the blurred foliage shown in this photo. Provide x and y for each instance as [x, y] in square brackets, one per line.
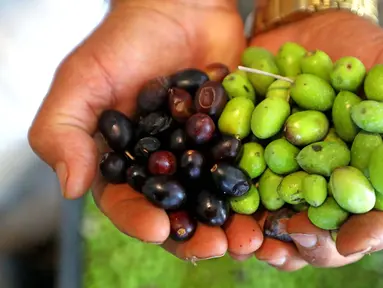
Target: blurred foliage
[115, 260]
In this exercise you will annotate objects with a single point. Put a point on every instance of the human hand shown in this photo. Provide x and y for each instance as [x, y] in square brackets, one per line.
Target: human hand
[138, 40]
[339, 34]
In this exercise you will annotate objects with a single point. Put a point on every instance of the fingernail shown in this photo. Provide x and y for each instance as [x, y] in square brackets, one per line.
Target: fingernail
[374, 243]
[277, 262]
[360, 252]
[305, 240]
[62, 174]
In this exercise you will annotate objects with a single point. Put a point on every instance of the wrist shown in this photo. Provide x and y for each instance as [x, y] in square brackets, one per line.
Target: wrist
[220, 4]
[271, 14]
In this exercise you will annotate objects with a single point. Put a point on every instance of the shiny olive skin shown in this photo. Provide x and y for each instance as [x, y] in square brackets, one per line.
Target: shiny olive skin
[180, 104]
[217, 71]
[192, 164]
[113, 167]
[182, 225]
[200, 128]
[230, 180]
[210, 99]
[189, 79]
[162, 163]
[117, 129]
[165, 192]
[228, 148]
[211, 209]
[136, 176]
[178, 140]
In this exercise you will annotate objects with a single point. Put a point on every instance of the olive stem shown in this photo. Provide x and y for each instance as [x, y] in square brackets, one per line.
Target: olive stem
[256, 71]
[129, 155]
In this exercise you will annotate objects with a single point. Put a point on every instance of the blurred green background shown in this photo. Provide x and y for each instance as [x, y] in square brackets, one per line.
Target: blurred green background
[115, 260]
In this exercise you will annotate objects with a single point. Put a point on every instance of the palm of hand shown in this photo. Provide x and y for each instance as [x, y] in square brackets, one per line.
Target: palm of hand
[107, 71]
[182, 42]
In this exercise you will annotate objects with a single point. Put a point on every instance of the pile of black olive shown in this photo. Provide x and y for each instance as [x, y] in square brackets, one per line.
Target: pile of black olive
[172, 152]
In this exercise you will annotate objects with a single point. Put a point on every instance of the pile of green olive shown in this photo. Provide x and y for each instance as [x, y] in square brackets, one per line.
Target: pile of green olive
[315, 133]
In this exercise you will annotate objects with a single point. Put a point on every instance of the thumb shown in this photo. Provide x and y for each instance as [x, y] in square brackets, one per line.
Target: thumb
[106, 71]
[338, 33]
[315, 245]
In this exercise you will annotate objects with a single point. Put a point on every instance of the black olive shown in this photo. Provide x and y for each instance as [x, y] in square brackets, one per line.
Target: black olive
[165, 192]
[189, 79]
[146, 146]
[117, 129]
[136, 176]
[178, 140]
[155, 123]
[182, 225]
[228, 148]
[230, 180]
[211, 209]
[154, 94]
[113, 166]
[192, 164]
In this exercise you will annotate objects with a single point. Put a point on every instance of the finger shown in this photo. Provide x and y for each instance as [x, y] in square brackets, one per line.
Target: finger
[240, 258]
[206, 243]
[315, 245]
[361, 234]
[314, 33]
[280, 255]
[132, 214]
[95, 78]
[244, 235]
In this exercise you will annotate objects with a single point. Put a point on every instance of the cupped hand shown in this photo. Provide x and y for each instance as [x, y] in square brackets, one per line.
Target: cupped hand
[139, 40]
[339, 34]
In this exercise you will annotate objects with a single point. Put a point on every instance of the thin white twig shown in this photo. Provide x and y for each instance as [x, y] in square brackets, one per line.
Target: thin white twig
[256, 71]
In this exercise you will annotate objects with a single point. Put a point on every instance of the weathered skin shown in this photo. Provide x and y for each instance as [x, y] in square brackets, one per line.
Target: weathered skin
[341, 115]
[269, 116]
[352, 190]
[328, 216]
[268, 186]
[290, 188]
[323, 157]
[236, 116]
[305, 127]
[312, 93]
